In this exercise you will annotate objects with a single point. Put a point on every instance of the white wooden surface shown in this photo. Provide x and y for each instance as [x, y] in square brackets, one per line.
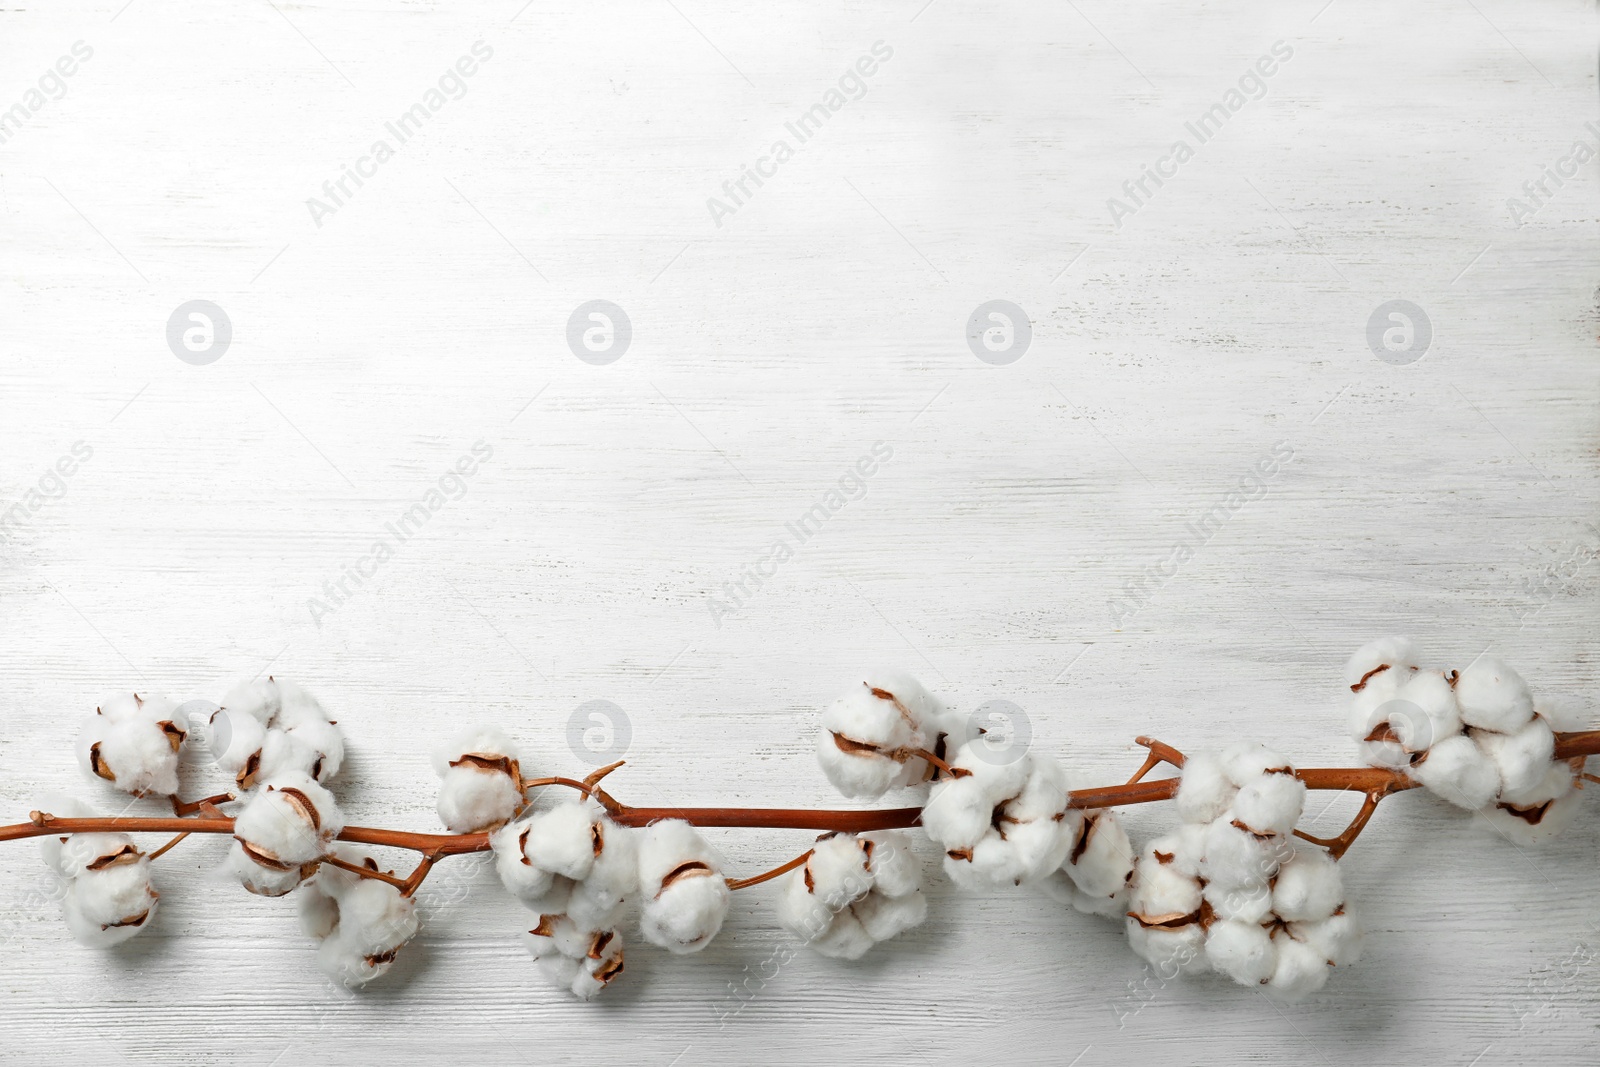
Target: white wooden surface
[1452, 498]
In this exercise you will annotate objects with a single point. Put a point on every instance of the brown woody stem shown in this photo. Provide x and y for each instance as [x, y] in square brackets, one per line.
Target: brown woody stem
[414, 882]
[1375, 782]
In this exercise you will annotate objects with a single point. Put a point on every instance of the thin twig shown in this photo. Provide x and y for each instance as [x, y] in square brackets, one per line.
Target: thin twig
[934, 761]
[365, 872]
[746, 883]
[182, 808]
[595, 777]
[1338, 846]
[1159, 753]
[158, 853]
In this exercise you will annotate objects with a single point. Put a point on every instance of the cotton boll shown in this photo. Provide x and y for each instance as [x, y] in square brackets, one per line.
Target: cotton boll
[559, 968]
[1309, 887]
[1562, 713]
[924, 708]
[234, 739]
[960, 810]
[1428, 712]
[257, 699]
[1235, 857]
[1245, 761]
[116, 894]
[685, 896]
[262, 880]
[518, 873]
[1271, 804]
[324, 739]
[138, 754]
[843, 939]
[1492, 696]
[1458, 771]
[1366, 706]
[894, 867]
[687, 912]
[1183, 849]
[84, 852]
[1540, 813]
[1161, 895]
[281, 753]
[597, 969]
[290, 821]
[564, 839]
[582, 961]
[124, 707]
[362, 922]
[1521, 757]
[1204, 789]
[800, 911]
[1242, 951]
[836, 872]
[488, 742]
[1249, 902]
[868, 735]
[1300, 970]
[83, 907]
[375, 922]
[863, 733]
[1170, 951]
[596, 903]
[474, 797]
[297, 707]
[1100, 861]
[883, 917]
[852, 892]
[318, 910]
[857, 771]
[1336, 939]
[1377, 656]
[1370, 714]
[298, 735]
[1000, 824]
[63, 806]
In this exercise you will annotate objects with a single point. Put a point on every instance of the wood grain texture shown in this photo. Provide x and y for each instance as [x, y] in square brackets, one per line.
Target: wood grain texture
[1452, 498]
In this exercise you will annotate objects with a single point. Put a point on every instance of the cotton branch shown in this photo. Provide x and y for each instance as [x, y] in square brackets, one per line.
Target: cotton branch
[1374, 782]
